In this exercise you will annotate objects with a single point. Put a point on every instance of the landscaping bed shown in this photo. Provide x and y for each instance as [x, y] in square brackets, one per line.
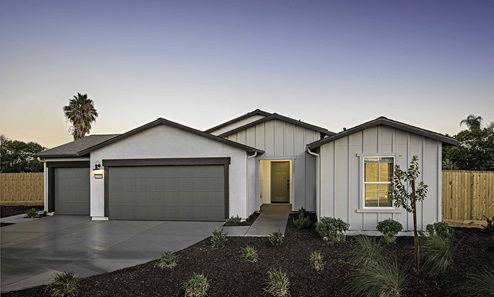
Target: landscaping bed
[8, 211]
[231, 275]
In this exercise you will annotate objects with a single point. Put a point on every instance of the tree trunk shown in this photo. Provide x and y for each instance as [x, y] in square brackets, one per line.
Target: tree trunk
[415, 233]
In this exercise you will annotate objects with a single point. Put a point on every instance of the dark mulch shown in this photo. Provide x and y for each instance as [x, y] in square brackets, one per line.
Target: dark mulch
[250, 220]
[230, 275]
[7, 211]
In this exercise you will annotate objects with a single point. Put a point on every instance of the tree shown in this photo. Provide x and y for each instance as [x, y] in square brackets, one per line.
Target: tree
[405, 193]
[17, 156]
[472, 122]
[81, 113]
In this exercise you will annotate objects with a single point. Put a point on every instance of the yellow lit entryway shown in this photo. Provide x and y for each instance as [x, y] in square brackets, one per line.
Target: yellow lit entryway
[276, 181]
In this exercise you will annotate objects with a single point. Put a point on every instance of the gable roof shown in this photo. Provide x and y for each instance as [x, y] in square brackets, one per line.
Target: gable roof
[72, 149]
[276, 116]
[238, 119]
[386, 122]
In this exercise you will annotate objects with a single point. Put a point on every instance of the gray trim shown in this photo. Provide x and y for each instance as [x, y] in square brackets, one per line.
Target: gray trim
[276, 116]
[161, 121]
[386, 122]
[72, 148]
[238, 119]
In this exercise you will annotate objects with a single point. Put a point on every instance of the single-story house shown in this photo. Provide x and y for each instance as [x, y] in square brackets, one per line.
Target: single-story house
[167, 171]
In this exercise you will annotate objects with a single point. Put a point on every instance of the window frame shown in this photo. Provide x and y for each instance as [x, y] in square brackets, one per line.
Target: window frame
[374, 183]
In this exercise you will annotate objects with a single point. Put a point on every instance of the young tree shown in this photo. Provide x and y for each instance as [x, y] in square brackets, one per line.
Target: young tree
[81, 113]
[406, 193]
[17, 156]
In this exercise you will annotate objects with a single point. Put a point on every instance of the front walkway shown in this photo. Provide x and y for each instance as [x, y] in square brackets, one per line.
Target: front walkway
[272, 218]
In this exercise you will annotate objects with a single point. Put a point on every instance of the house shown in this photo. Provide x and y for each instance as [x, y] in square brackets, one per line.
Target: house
[167, 171]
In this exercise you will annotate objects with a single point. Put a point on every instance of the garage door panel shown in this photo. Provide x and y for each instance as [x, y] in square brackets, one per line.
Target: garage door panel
[167, 193]
[71, 191]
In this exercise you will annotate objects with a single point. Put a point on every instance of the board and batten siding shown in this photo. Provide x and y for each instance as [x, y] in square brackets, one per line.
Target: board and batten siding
[341, 176]
[284, 141]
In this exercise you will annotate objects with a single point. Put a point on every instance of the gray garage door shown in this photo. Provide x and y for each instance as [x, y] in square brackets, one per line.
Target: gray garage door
[72, 191]
[179, 193]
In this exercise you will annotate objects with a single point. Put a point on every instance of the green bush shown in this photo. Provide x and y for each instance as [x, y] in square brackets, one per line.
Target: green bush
[278, 284]
[383, 279]
[389, 228]
[490, 225]
[32, 213]
[168, 260]
[367, 252]
[302, 212]
[196, 286]
[436, 253]
[301, 222]
[316, 261]
[332, 229]
[219, 238]
[250, 254]
[275, 238]
[233, 221]
[64, 285]
[441, 229]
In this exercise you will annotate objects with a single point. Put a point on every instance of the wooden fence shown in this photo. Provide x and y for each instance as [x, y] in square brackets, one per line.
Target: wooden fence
[468, 196]
[21, 188]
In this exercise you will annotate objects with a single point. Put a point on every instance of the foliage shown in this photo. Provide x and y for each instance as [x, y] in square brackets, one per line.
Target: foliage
[440, 229]
[302, 212]
[196, 286]
[475, 149]
[389, 228]
[250, 254]
[168, 260]
[233, 221]
[219, 238]
[478, 284]
[64, 285]
[332, 229]
[301, 221]
[437, 253]
[368, 252]
[316, 261]
[489, 227]
[275, 238]
[32, 213]
[384, 279]
[278, 284]
[17, 156]
[405, 193]
[81, 113]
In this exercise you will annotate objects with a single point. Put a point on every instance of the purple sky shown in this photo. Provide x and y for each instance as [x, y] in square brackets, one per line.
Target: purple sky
[330, 63]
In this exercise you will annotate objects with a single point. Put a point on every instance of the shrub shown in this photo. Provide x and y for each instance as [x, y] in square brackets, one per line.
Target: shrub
[64, 285]
[490, 225]
[233, 221]
[219, 238]
[32, 213]
[278, 284]
[332, 229]
[316, 261]
[196, 286]
[301, 222]
[389, 228]
[275, 238]
[302, 212]
[437, 253]
[250, 254]
[441, 229]
[168, 260]
[367, 252]
[383, 279]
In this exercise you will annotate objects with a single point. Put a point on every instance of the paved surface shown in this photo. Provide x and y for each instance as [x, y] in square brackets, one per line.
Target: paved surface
[34, 250]
[271, 219]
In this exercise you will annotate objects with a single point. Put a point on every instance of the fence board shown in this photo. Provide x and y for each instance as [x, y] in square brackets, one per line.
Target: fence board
[21, 188]
[468, 196]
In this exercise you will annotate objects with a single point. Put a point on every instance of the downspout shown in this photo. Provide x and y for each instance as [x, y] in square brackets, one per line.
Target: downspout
[318, 181]
[255, 199]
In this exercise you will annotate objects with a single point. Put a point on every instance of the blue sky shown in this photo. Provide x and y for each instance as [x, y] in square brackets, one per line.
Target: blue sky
[330, 63]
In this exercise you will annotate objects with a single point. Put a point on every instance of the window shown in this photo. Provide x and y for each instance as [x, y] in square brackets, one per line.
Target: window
[378, 174]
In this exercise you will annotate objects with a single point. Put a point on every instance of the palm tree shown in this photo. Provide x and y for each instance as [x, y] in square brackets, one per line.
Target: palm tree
[473, 122]
[81, 113]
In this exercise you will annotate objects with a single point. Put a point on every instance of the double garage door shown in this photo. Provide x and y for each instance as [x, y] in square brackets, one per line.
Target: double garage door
[192, 193]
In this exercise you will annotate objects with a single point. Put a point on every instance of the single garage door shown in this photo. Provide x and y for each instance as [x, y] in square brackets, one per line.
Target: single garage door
[72, 191]
[178, 193]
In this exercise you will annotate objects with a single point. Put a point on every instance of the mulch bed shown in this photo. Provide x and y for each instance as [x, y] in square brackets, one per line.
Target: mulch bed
[250, 220]
[230, 275]
[7, 211]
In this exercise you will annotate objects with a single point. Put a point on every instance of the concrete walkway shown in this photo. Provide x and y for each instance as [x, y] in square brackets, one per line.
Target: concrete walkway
[33, 250]
[271, 219]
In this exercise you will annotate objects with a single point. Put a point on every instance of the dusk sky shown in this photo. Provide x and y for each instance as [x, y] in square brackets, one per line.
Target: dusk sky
[333, 64]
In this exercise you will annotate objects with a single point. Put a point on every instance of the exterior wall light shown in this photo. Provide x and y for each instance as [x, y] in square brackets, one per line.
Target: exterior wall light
[98, 170]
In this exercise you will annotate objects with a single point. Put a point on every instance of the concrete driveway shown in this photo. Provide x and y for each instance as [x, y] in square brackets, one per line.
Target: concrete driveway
[33, 251]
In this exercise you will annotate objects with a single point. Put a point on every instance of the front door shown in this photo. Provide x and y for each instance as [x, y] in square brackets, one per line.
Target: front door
[280, 182]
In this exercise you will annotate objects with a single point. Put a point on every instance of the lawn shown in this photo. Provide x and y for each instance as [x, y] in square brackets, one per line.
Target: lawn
[231, 275]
